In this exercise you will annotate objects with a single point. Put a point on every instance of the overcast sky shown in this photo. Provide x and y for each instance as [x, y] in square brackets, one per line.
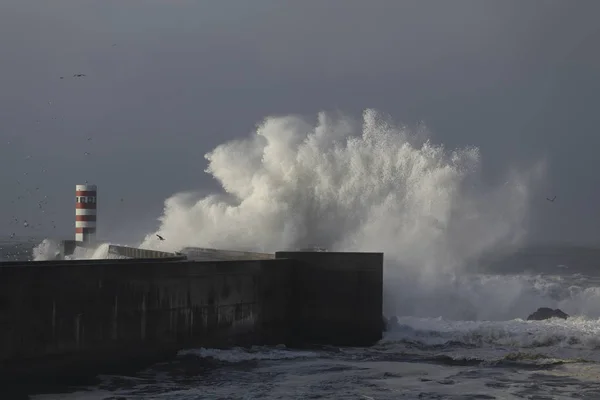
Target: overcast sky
[166, 81]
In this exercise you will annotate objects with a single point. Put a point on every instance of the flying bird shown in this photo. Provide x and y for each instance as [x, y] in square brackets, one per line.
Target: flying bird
[160, 237]
[551, 200]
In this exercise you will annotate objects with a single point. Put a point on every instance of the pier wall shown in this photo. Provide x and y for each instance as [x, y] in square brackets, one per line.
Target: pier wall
[337, 298]
[71, 318]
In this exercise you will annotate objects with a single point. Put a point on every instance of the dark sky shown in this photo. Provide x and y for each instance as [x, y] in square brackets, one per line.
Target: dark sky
[166, 81]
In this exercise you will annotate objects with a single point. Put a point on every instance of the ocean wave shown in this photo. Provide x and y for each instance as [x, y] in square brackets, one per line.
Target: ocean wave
[255, 353]
[432, 333]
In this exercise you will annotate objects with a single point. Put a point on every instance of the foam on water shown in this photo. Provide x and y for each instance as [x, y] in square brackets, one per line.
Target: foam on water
[255, 353]
[574, 332]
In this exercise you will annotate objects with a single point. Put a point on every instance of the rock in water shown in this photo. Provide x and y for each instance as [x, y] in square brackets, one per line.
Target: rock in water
[547, 313]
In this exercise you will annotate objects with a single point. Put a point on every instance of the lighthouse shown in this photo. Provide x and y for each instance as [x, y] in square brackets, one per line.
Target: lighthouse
[85, 213]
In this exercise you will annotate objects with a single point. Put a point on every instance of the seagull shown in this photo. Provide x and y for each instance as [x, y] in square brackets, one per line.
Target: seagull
[160, 237]
[551, 200]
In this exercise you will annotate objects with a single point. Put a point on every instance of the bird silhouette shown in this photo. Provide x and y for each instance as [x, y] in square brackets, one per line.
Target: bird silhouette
[551, 200]
[160, 237]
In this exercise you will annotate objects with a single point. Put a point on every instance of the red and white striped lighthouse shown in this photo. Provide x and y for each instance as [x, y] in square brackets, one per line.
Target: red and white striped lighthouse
[85, 213]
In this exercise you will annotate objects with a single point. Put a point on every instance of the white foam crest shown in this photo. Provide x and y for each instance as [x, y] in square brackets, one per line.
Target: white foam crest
[346, 186]
[575, 332]
[48, 249]
[255, 353]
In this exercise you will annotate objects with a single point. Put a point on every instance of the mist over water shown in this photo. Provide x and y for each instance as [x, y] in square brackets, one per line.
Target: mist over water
[370, 185]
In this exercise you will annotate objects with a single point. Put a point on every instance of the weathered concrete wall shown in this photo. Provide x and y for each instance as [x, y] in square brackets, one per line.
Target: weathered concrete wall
[79, 317]
[337, 297]
[84, 317]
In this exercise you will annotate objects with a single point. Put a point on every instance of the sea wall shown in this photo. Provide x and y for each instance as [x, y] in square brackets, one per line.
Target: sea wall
[83, 317]
[73, 318]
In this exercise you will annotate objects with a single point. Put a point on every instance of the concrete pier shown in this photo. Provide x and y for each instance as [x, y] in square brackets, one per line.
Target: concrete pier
[337, 297]
[80, 318]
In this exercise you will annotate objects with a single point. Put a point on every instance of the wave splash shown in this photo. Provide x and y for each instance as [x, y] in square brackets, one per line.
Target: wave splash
[355, 185]
[348, 185]
[50, 249]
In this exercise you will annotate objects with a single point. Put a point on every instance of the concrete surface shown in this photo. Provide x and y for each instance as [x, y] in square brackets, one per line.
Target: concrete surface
[205, 254]
[133, 252]
[83, 317]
